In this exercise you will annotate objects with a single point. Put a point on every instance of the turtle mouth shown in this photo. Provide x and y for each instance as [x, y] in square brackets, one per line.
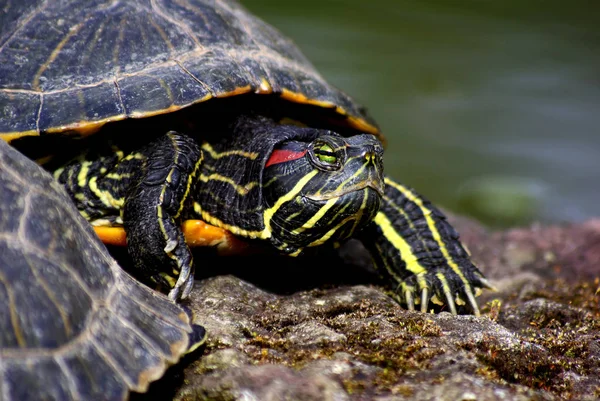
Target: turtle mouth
[377, 186]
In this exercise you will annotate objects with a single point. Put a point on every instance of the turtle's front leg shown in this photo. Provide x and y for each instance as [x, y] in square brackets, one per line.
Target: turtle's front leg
[416, 250]
[153, 209]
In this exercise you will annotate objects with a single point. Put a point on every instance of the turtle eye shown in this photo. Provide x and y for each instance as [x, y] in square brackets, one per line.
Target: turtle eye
[325, 153]
[324, 156]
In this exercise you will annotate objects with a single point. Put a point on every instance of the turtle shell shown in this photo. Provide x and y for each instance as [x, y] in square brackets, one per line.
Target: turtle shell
[73, 325]
[73, 65]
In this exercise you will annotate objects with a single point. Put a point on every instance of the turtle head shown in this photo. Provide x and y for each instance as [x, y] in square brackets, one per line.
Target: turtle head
[322, 189]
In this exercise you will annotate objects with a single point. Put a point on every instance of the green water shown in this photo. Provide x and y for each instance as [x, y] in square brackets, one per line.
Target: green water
[491, 108]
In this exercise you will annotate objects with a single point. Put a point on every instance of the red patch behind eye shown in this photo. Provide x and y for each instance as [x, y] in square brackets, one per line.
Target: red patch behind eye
[282, 156]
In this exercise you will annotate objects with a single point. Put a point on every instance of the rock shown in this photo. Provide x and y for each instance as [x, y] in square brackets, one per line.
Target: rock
[289, 336]
[267, 382]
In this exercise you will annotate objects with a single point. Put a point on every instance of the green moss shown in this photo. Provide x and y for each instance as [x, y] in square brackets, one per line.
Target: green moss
[558, 331]
[397, 343]
[354, 386]
[407, 347]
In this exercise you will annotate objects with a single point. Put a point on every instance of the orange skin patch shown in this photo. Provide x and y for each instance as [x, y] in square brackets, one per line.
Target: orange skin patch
[196, 232]
[111, 235]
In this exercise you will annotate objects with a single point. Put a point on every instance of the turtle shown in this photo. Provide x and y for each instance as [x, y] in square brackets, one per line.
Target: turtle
[74, 325]
[176, 112]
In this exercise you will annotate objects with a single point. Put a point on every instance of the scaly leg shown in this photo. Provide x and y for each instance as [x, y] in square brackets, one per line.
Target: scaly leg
[153, 209]
[416, 250]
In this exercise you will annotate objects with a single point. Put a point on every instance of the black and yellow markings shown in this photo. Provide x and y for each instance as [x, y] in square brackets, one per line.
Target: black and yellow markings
[330, 195]
[356, 217]
[438, 239]
[120, 154]
[189, 183]
[343, 186]
[411, 261]
[105, 196]
[82, 174]
[89, 178]
[404, 248]
[329, 204]
[233, 152]
[215, 221]
[270, 212]
[403, 287]
[331, 199]
[318, 216]
[240, 189]
[171, 243]
[237, 230]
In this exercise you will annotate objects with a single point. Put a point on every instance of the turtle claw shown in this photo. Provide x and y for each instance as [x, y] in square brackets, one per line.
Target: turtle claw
[184, 284]
[187, 288]
[450, 300]
[174, 294]
[486, 284]
[424, 299]
[472, 301]
[442, 290]
[414, 246]
[410, 301]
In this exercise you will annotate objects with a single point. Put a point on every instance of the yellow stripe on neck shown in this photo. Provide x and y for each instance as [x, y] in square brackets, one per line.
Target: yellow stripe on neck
[412, 262]
[432, 227]
[235, 152]
[270, 212]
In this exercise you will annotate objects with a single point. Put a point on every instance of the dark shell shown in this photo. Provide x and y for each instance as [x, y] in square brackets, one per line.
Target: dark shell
[73, 325]
[78, 64]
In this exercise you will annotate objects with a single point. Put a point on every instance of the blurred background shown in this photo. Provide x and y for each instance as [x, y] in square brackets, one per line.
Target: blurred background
[491, 108]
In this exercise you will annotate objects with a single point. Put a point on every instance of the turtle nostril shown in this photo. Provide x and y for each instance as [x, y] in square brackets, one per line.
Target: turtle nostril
[371, 155]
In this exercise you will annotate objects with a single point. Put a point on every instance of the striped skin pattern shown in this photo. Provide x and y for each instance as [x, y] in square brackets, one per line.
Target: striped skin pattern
[414, 246]
[293, 186]
[153, 208]
[145, 191]
[293, 204]
[322, 202]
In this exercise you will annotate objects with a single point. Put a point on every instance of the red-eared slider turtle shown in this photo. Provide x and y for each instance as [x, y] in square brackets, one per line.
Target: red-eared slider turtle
[199, 110]
[73, 325]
